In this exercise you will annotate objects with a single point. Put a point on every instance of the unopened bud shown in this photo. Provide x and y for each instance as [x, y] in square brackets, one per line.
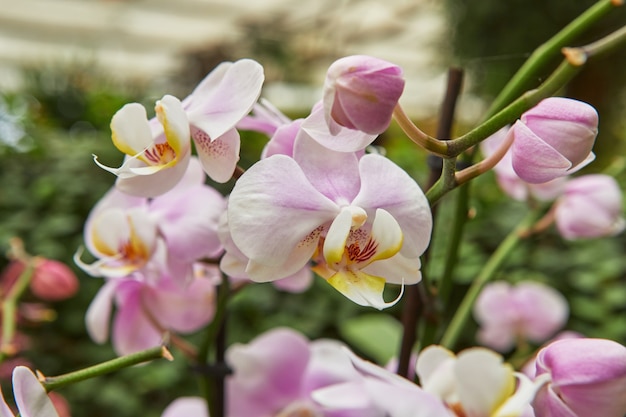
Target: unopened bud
[53, 281]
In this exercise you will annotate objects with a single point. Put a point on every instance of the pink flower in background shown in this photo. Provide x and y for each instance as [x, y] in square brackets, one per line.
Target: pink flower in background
[365, 218]
[525, 311]
[165, 234]
[590, 207]
[361, 92]
[30, 396]
[510, 182]
[146, 309]
[587, 378]
[553, 139]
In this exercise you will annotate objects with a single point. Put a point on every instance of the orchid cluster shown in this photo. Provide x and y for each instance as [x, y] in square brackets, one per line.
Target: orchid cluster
[323, 203]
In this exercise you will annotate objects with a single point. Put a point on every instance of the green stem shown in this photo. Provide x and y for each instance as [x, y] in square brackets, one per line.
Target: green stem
[55, 382]
[544, 53]
[9, 308]
[488, 272]
[559, 78]
[209, 384]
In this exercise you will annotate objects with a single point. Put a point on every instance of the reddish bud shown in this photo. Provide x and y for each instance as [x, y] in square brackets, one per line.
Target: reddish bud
[53, 281]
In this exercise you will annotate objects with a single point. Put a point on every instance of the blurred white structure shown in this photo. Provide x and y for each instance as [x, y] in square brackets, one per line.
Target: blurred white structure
[146, 39]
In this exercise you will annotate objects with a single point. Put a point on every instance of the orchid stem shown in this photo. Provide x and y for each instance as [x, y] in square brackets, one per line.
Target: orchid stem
[489, 271]
[55, 382]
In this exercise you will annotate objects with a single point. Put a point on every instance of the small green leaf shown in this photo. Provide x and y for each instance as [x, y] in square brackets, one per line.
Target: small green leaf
[376, 335]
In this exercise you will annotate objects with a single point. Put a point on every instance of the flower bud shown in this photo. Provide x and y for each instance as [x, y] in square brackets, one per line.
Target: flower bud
[360, 92]
[588, 378]
[553, 139]
[53, 281]
[591, 207]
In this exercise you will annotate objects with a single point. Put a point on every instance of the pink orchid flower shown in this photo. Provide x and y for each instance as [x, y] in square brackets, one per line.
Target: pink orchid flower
[361, 92]
[364, 219]
[167, 233]
[587, 378]
[553, 139]
[146, 309]
[590, 207]
[525, 311]
[157, 154]
[30, 396]
[510, 182]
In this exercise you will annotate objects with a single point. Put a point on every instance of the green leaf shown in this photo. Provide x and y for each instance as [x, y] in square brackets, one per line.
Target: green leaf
[376, 335]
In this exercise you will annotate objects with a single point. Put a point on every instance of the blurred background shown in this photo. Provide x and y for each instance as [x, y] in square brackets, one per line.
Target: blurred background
[66, 66]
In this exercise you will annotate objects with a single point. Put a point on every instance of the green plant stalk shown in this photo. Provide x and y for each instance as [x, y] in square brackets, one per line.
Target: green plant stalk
[9, 308]
[55, 382]
[488, 272]
[542, 55]
[208, 383]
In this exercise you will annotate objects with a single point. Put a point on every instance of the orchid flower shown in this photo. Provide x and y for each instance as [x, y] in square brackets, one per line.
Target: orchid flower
[156, 156]
[168, 233]
[454, 380]
[526, 311]
[364, 220]
[145, 310]
[158, 151]
[30, 396]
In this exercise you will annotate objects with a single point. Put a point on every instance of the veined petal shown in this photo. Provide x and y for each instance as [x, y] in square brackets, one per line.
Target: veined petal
[130, 129]
[219, 155]
[273, 207]
[361, 288]
[30, 396]
[497, 381]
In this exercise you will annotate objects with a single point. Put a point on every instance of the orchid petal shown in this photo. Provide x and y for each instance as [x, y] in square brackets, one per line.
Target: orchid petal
[273, 207]
[334, 174]
[387, 234]
[187, 407]
[219, 155]
[5, 410]
[534, 160]
[434, 367]
[296, 260]
[170, 113]
[342, 140]
[497, 382]
[385, 185]
[99, 313]
[337, 235]
[397, 270]
[30, 395]
[361, 288]
[155, 182]
[223, 100]
[130, 129]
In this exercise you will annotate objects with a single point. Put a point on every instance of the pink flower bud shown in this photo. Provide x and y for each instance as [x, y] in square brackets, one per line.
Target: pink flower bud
[588, 378]
[53, 281]
[360, 92]
[553, 139]
[591, 207]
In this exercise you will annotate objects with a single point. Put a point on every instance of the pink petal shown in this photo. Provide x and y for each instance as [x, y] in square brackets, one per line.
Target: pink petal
[187, 407]
[273, 207]
[30, 396]
[99, 312]
[218, 155]
[387, 186]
